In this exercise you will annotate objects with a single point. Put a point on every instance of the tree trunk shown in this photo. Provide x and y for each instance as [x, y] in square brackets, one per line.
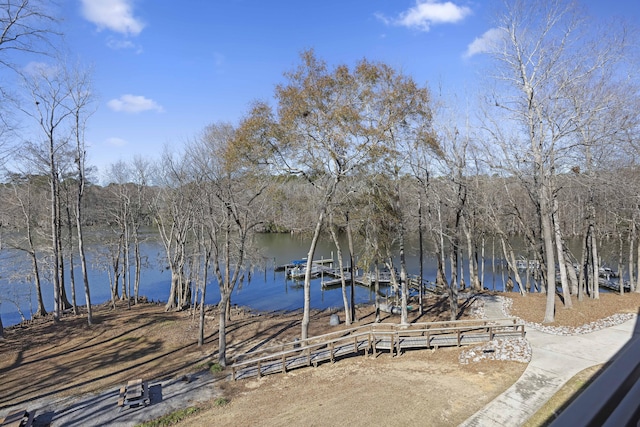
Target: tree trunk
[512, 266]
[172, 301]
[40, 311]
[528, 274]
[53, 182]
[550, 262]
[312, 250]
[345, 301]
[353, 269]
[583, 271]
[404, 316]
[72, 275]
[638, 264]
[474, 282]
[202, 300]
[493, 263]
[441, 281]
[377, 292]
[574, 283]
[595, 265]
[138, 267]
[64, 301]
[482, 260]
[566, 295]
[440, 275]
[395, 288]
[632, 239]
[620, 264]
[421, 254]
[83, 260]
[72, 284]
[572, 276]
[222, 328]
[453, 284]
[126, 276]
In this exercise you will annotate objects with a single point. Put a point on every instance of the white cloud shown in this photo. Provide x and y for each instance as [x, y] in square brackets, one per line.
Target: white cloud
[41, 69]
[118, 44]
[115, 15]
[116, 142]
[134, 104]
[485, 43]
[429, 12]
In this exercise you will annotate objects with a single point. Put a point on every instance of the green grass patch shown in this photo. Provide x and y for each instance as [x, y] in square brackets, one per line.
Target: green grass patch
[215, 368]
[221, 401]
[212, 367]
[172, 418]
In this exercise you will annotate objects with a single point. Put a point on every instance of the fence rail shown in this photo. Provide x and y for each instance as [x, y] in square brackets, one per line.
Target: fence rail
[372, 337]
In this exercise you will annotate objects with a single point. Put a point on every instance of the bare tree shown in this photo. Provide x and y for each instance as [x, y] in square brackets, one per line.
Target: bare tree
[332, 123]
[26, 197]
[26, 27]
[230, 192]
[121, 216]
[49, 93]
[545, 50]
[173, 211]
[81, 99]
[139, 215]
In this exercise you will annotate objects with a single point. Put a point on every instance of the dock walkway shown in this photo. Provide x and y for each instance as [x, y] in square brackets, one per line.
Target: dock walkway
[372, 338]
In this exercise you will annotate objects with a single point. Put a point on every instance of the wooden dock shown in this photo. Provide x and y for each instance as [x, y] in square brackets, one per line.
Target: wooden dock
[364, 279]
[331, 277]
[613, 285]
[368, 280]
[373, 338]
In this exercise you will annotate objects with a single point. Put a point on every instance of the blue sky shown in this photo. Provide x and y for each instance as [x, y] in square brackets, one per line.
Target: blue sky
[163, 70]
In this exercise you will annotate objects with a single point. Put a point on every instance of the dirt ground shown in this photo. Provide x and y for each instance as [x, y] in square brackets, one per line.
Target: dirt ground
[41, 360]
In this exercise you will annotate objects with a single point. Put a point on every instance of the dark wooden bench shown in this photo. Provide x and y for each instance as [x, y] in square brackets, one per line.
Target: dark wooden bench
[135, 393]
[19, 418]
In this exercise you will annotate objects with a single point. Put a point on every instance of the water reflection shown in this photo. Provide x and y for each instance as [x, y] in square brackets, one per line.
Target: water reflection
[264, 289]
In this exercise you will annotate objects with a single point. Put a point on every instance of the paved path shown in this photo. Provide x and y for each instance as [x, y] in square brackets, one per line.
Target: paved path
[555, 359]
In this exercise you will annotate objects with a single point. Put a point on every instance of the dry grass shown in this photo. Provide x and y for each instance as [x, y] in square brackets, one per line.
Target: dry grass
[532, 306]
[70, 357]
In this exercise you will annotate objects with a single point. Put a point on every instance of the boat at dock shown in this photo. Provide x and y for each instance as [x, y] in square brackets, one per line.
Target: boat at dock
[303, 261]
[607, 273]
[524, 264]
[299, 271]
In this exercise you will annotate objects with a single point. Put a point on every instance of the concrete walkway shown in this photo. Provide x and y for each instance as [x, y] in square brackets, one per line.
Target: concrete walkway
[555, 359]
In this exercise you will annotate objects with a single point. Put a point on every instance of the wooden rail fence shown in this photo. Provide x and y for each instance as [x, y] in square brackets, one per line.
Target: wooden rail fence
[372, 337]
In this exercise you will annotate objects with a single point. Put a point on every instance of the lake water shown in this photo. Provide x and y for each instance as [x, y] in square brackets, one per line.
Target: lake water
[266, 291]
